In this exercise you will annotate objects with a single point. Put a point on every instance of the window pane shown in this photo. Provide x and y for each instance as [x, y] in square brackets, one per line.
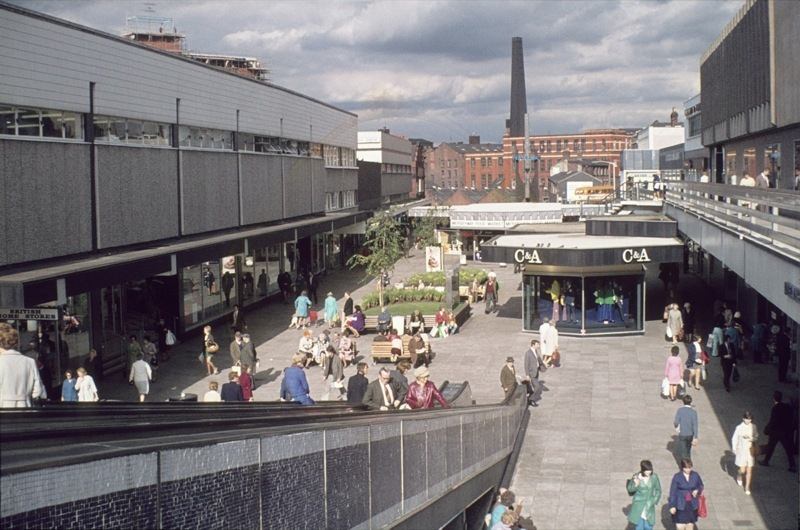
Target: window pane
[7, 120]
[28, 122]
[192, 295]
[184, 136]
[51, 124]
[135, 132]
[71, 123]
[212, 295]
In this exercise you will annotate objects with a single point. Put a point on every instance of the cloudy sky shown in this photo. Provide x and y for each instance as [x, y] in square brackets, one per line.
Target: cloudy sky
[440, 69]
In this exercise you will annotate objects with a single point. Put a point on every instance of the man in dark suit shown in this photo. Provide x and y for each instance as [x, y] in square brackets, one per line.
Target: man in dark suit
[379, 394]
[532, 362]
[357, 384]
[728, 359]
[779, 429]
[508, 378]
[238, 322]
[231, 391]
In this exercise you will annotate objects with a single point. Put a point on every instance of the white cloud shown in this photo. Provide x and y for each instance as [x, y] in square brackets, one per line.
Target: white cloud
[441, 69]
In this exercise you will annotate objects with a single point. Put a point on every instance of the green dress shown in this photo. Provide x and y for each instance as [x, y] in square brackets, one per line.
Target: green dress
[645, 498]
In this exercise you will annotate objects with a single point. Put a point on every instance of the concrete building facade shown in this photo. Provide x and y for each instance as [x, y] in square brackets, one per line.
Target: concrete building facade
[394, 154]
[141, 188]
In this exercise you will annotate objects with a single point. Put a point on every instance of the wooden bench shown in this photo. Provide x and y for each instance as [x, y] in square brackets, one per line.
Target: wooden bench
[461, 314]
[382, 350]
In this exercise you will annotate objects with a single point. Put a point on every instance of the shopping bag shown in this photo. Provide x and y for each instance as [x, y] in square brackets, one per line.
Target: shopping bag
[665, 387]
[702, 506]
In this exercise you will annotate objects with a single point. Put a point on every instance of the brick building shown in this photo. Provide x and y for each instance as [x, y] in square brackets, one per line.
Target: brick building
[446, 166]
[599, 145]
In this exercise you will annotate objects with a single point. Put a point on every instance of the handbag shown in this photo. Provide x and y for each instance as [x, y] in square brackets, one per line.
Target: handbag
[702, 506]
[630, 485]
[703, 373]
[556, 358]
[736, 375]
[212, 347]
[753, 449]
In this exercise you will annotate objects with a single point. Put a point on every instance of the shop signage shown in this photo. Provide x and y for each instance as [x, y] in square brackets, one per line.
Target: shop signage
[792, 291]
[29, 314]
[639, 256]
[527, 256]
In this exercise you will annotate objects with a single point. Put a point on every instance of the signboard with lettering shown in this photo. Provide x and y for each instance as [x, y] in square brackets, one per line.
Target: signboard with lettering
[29, 314]
[630, 255]
[527, 256]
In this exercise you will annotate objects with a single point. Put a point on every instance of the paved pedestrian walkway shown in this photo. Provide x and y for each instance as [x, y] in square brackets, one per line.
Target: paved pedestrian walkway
[600, 415]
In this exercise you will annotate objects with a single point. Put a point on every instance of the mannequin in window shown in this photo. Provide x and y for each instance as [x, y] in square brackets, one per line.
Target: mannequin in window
[568, 297]
[555, 297]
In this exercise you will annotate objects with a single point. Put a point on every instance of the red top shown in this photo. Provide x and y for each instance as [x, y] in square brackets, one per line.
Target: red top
[246, 382]
[421, 397]
[441, 317]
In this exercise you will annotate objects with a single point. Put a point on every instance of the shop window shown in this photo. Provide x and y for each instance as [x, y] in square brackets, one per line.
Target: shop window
[749, 162]
[730, 164]
[274, 258]
[45, 123]
[129, 131]
[203, 138]
[315, 150]
[772, 163]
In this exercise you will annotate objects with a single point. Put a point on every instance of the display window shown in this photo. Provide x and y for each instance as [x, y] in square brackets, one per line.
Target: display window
[583, 303]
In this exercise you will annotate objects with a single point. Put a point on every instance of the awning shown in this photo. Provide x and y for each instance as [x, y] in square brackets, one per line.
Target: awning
[58, 279]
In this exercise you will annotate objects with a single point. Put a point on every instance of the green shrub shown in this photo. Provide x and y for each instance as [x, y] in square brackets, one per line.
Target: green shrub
[437, 279]
[400, 296]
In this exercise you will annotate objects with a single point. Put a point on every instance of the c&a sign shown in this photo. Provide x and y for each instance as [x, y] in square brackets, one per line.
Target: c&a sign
[527, 256]
[630, 255]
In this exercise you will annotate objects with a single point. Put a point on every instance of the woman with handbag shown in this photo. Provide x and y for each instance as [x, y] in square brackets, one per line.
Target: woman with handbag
[685, 494]
[210, 347]
[744, 447]
[645, 488]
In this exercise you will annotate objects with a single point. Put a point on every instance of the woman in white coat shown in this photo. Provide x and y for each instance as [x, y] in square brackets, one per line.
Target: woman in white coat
[744, 447]
[87, 390]
[674, 323]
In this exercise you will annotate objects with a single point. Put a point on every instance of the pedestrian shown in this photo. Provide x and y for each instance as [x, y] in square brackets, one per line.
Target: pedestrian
[674, 323]
[210, 347]
[313, 285]
[247, 353]
[416, 322]
[694, 362]
[400, 381]
[347, 310]
[533, 363]
[745, 447]
[645, 488]
[491, 293]
[379, 394]
[508, 378]
[306, 346]
[508, 521]
[285, 285]
[439, 328]
[418, 351]
[238, 322]
[548, 337]
[728, 361]
[150, 352]
[397, 345]
[782, 422]
[167, 341]
[684, 491]
[347, 347]
[687, 426]
[295, 383]
[68, 392]
[356, 322]
[212, 396]
[783, 353]
[673, 371]
[236, 347]
[301, 306]
[331, 310]
[688, 322]
[422, 392]
[262, 284]
[232, 390]
[94, 365]
[246, 382]
[87, 390]
[134, 349]
[505, 503]
[357, 384]
[20, 382]
[334, 368]
[140, 375]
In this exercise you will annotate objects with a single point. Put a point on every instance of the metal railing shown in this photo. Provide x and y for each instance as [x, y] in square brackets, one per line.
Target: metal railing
[766, 216]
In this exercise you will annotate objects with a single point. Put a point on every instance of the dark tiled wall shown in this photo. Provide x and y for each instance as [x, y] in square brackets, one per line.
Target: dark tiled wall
[293, 492]
[133, 509]
[224, 499]
[348, 486]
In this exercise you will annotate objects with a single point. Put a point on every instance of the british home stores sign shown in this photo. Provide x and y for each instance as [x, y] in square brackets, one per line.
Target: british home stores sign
[628, 255]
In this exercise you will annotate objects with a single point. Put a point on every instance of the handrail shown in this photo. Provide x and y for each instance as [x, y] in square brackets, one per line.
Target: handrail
[764, 216]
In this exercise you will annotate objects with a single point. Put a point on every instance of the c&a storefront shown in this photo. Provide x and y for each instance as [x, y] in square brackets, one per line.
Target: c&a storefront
[586, 284]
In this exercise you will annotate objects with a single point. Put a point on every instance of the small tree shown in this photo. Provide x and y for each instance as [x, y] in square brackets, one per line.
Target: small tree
[425, 229]
[385, 244]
